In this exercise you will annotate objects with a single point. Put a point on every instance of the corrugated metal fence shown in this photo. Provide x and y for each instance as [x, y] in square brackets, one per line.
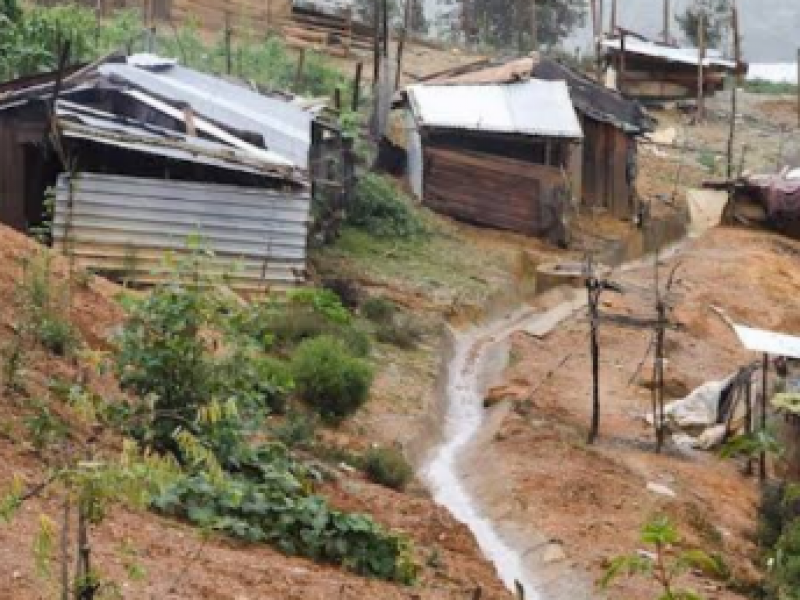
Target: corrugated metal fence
[125, 226]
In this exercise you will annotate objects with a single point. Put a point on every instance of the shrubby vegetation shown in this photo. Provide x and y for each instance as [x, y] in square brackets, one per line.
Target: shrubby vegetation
[201, 381]
[30, 38]
[203, 368]
[381, 209]
[389, 467]
[329, 378]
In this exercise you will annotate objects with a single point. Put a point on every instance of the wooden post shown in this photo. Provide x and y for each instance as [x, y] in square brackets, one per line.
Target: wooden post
[376, 43]
[701, 57]
[298, 74]
[748, 418]
[658, 383]
[592, 290]
[762, 459]
[667, 20]
[737, 43]
[613, 17]
[228, 65]
[337, 99]
[798, 87]
[385, 15]
[401, 42]
[622, 66]
[357, 87]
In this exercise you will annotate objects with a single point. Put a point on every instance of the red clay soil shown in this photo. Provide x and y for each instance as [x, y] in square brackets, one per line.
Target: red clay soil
[178, 562]
[594, 499]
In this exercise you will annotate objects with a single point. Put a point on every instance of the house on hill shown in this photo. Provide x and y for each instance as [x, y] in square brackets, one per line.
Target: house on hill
[654, 73]
[500, 155]
[602, 164]
[143, 154]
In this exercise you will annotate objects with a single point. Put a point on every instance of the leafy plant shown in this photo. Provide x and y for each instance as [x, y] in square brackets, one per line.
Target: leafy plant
[389, 467]
[751, 445]
[667, 563]
[45, 427]
[377, 309]
[329, 378]
[381, 209]
[276, 510]
[297, 430]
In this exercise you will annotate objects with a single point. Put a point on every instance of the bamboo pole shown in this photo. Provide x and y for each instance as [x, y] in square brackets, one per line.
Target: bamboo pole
[762, 459]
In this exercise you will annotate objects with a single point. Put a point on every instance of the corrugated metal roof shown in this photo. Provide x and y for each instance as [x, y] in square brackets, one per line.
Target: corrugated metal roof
[90, 124]
[285, 127]
[533, 107]
[689, 56]
[336, 8]
[127, 224]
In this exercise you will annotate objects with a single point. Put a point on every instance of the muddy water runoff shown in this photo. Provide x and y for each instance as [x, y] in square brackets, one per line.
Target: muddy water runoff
[463, 419]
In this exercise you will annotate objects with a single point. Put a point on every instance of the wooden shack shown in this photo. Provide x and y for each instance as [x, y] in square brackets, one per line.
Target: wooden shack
[611, 122]
[495, 155]
[654, 73]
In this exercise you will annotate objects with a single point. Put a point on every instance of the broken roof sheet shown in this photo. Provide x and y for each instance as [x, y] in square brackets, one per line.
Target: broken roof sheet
[769, 342]
[533, 107]
[79, 122]
[285, 127]
[687, 56]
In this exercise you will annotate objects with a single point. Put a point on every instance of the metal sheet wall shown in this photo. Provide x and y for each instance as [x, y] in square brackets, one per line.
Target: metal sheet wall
[126, 225]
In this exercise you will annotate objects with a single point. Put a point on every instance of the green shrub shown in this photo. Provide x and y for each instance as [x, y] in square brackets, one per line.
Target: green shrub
[786, 570]
[377, 309]
[297, 430]
[389, 467]
[57, 335]
[381, 209]
[401, 331]
[44, 306]
[329, 378]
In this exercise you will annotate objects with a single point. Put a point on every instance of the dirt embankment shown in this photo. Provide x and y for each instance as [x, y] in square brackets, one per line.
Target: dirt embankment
[594, 499]
[177, 560]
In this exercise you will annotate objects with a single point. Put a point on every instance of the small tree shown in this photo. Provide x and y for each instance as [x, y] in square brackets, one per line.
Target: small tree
[716, 17]
[666, 564]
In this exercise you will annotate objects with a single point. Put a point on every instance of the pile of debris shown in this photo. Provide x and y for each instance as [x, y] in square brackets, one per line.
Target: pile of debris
[144, 153]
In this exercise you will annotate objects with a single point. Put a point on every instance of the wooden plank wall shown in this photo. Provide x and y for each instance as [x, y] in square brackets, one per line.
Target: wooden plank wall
[605, 163]
[491, 190]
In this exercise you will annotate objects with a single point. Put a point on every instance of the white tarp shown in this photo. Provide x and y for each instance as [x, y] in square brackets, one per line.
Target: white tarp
[769, 342]
[705, 210]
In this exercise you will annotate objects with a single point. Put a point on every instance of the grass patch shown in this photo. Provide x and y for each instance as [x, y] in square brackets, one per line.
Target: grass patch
[771, 88]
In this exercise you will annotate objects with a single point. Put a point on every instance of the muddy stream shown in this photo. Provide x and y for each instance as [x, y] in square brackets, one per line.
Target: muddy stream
[477, 357]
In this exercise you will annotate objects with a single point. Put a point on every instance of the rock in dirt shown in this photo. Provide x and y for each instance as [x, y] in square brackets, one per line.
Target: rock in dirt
[661, 490]
[553, 553]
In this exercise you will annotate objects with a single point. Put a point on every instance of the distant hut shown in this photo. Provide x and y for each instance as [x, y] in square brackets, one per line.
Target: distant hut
[654, 73]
